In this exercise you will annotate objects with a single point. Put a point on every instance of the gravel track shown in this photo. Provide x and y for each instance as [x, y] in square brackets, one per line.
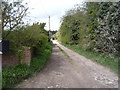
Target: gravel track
[71, 70]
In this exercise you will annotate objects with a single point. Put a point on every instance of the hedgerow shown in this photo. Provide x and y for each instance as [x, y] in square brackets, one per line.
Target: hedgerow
[13, 75]
[94, 27]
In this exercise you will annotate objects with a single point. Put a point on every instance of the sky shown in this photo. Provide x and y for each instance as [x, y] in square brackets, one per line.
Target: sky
[40, 10]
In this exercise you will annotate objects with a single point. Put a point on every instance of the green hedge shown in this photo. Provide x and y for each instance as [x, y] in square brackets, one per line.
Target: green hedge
[14, 74]
[94, 26]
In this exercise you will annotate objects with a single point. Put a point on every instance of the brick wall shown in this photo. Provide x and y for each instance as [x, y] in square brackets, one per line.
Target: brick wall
[11, 59]
[27, 54]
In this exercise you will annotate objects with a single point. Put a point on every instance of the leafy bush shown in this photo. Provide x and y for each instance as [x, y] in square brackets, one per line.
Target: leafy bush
[33, 36]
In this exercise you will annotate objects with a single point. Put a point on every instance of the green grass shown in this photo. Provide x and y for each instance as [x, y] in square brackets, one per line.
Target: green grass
[0, 80]
[13, 75]
[63, 52]
[100, 58]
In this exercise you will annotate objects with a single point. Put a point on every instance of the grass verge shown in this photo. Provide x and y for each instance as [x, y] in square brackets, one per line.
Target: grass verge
[13, 75]
[100, 58]
[63, 52]
[0, 80]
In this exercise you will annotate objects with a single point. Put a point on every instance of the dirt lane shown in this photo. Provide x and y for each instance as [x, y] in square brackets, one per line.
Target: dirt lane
[74, 71]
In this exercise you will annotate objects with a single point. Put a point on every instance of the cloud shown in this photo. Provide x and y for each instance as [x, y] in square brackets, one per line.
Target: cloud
[41, 9]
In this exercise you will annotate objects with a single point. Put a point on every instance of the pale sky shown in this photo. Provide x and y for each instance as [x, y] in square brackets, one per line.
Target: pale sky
[40, 10]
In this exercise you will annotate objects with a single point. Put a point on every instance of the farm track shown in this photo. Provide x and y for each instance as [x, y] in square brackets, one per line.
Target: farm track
[67, 69]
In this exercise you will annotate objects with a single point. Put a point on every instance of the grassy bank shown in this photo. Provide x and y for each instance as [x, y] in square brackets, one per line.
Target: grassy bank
[13, 75]
[100, 58]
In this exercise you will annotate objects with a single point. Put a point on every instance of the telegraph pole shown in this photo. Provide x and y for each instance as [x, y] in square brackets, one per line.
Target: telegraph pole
[49, 28]
[0, 45]
[49, 23]
[0, 21]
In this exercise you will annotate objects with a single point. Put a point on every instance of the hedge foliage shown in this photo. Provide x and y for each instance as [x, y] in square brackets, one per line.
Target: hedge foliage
[34, 36]
[94, 26]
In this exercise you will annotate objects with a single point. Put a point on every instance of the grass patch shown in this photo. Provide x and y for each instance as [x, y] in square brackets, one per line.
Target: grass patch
[100, 58]
[63, 52]
[0, 80]
[13, 75]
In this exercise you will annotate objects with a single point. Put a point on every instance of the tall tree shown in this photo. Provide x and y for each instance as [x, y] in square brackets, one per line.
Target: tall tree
[12, 15]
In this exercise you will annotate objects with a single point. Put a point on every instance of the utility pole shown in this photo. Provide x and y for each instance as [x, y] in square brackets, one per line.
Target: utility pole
[49, 23]
[0, 45]
[1, 9]
[49, 29]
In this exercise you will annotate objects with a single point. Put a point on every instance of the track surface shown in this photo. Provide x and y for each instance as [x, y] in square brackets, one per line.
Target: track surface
[71, 71]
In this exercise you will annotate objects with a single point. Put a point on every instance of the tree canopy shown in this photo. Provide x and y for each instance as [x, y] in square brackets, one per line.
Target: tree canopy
[12, 15]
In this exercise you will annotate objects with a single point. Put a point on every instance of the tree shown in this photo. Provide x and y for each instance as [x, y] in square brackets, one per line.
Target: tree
[12, 15]
[71, 27]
